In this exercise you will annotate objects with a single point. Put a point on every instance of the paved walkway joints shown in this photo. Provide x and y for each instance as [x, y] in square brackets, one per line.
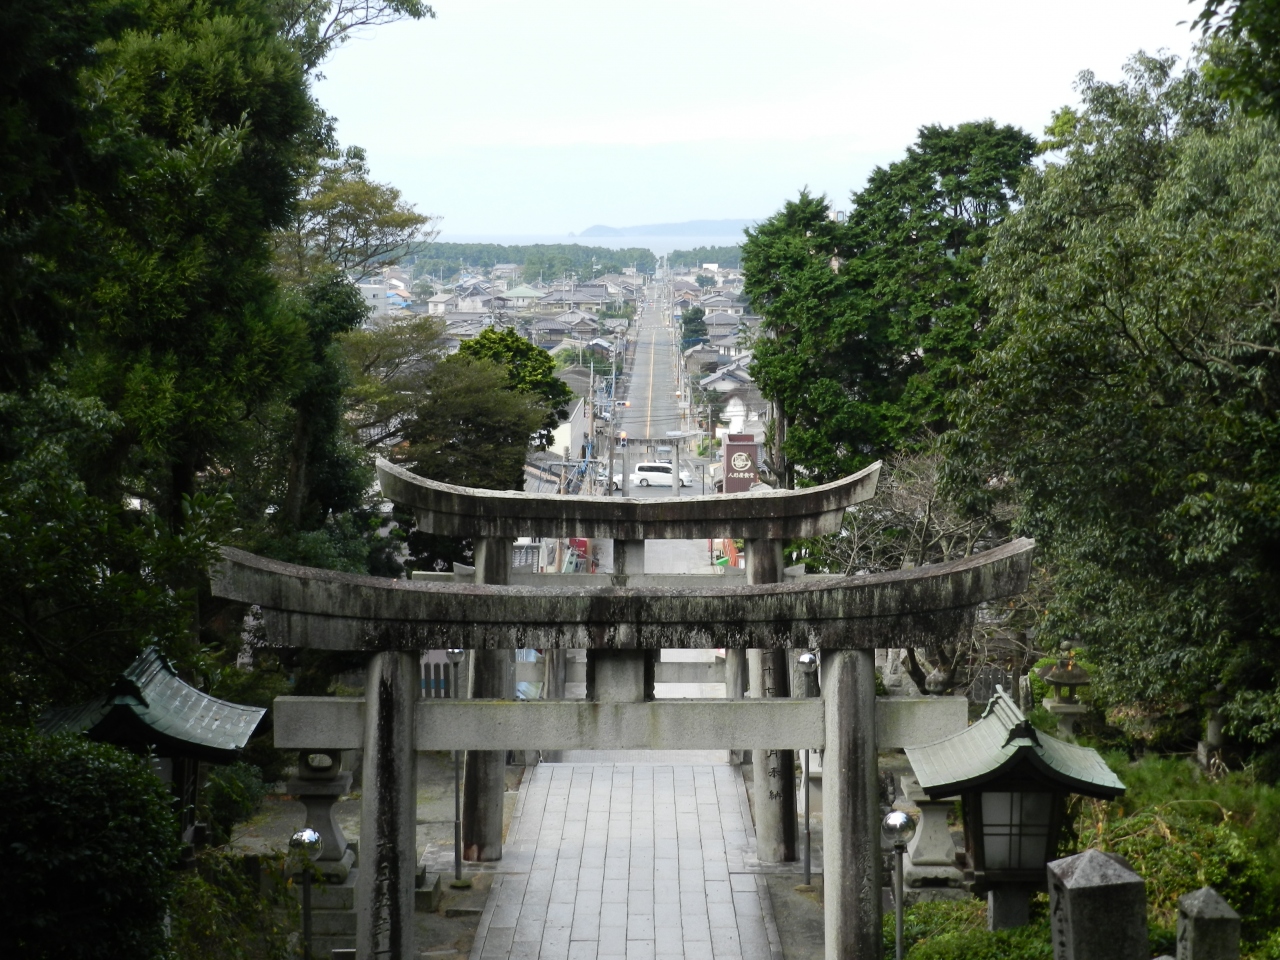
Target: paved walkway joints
[635, 861]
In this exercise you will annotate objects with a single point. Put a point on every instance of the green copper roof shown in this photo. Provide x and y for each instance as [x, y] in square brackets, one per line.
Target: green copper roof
[1003, 742]
[149, 706]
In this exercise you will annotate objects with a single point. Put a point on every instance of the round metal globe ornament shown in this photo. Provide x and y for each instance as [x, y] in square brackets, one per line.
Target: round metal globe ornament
[898, 828]
[307, 842]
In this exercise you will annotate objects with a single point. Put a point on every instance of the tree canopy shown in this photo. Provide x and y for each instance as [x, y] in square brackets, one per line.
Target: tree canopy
[866, 321]
[530, 369]
[1129, 404]
[471, 426]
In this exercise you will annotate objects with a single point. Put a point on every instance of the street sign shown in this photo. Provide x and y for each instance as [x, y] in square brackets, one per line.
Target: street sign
[740, 458]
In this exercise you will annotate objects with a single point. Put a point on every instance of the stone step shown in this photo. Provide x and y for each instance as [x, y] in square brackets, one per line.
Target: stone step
[322, 947]
[330, 896]
[333, 923]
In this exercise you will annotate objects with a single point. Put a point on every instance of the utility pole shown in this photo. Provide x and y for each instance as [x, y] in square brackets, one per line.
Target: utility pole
[591, 421]
[613, 419]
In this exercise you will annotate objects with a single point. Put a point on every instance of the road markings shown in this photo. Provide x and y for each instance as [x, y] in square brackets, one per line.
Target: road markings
[648, 413]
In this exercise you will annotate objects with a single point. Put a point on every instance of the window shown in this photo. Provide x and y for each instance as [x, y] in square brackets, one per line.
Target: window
[1015, 830]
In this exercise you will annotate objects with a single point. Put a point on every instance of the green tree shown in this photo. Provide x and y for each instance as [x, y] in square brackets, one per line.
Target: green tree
[346, 221]
[788, 265]
[866, 323]
[315, 28]
[530, 369]
[693, 326]
[1130, 405]
[92, 846]
[192, 335]
[57, 146]
[471, 426]
[388, 369]
[90, 577]
[729, 258]
[1246, 65]
[704, 281]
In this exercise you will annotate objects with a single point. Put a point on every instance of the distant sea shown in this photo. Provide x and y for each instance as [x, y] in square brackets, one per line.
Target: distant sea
[659, 245]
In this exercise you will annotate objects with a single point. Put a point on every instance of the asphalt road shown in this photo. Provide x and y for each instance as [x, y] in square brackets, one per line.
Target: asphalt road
[655, 408]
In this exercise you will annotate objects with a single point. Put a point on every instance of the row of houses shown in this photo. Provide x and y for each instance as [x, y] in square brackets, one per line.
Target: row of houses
[594, 296]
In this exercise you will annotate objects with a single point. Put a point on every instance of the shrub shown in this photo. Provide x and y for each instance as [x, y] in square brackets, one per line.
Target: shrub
[231, 795]
[957, 930]
[1182, 830]
[221, 912]
[91, 841]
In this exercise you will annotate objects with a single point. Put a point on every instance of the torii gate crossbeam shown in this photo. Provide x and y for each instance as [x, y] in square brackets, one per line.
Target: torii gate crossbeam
[843, 617]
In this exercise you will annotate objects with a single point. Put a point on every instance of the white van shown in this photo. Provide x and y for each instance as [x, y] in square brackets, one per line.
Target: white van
[658, 475]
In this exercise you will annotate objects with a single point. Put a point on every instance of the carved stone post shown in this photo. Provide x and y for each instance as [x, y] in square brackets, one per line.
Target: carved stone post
[388, 851]
[774, 770]
[850, 807]
[735, 688]
[485, 776]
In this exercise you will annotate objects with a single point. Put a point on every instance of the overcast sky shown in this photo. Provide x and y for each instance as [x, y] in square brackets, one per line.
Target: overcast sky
[514, 117]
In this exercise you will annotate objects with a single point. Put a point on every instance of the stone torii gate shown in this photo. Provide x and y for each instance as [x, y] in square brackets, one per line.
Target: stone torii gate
[618, 619]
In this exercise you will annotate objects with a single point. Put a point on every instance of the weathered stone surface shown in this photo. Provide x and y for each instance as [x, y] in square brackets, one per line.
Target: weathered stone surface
[774, 770]
[1097, 908]
[620, 676]
[851, 866]
[313, 723]
[454, 511]
[388, 857]
[485, 771]
[931, 854]
[307, 607]
[1208, 929]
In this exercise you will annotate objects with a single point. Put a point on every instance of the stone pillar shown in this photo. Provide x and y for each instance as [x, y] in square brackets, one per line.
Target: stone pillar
[485, 775]
[620, 676]
[628, 560]
[774, 777]
[388, 850]
[735, 688]
[614, 681]
[555, 664]
[1208, 929]
[851, 807]
[1097, 908]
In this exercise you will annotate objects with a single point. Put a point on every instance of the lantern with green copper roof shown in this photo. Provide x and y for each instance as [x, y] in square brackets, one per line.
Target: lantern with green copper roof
[1013, 782]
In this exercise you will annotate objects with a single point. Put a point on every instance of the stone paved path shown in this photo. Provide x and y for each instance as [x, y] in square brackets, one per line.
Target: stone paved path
[634, 861]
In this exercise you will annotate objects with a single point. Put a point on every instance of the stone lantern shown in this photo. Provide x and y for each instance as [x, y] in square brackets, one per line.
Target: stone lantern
[1065, 677]
[1013, 782]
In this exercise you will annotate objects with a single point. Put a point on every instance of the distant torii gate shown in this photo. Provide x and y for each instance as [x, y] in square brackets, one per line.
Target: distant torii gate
[845, 618]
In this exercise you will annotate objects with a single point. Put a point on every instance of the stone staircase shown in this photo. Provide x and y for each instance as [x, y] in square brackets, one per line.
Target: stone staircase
[333, 916]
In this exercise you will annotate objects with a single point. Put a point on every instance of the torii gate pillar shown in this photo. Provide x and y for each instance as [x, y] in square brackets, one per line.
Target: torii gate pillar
[486, 770]
[388, 849]
[850, 807]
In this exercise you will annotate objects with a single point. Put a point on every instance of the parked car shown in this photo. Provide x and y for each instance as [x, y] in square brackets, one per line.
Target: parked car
[658, 475]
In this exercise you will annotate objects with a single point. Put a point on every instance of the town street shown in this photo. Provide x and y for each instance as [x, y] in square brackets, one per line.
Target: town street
[654, 412]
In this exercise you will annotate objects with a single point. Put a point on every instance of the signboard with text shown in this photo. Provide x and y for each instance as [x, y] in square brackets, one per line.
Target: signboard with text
[740, 454]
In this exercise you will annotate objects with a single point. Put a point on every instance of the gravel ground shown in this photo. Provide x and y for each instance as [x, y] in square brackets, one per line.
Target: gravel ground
[438, 934]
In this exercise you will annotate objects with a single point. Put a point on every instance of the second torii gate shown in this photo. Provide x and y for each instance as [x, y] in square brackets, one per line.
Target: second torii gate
[843, 617]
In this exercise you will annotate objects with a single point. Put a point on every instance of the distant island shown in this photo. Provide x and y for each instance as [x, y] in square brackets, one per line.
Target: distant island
[690, 228]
